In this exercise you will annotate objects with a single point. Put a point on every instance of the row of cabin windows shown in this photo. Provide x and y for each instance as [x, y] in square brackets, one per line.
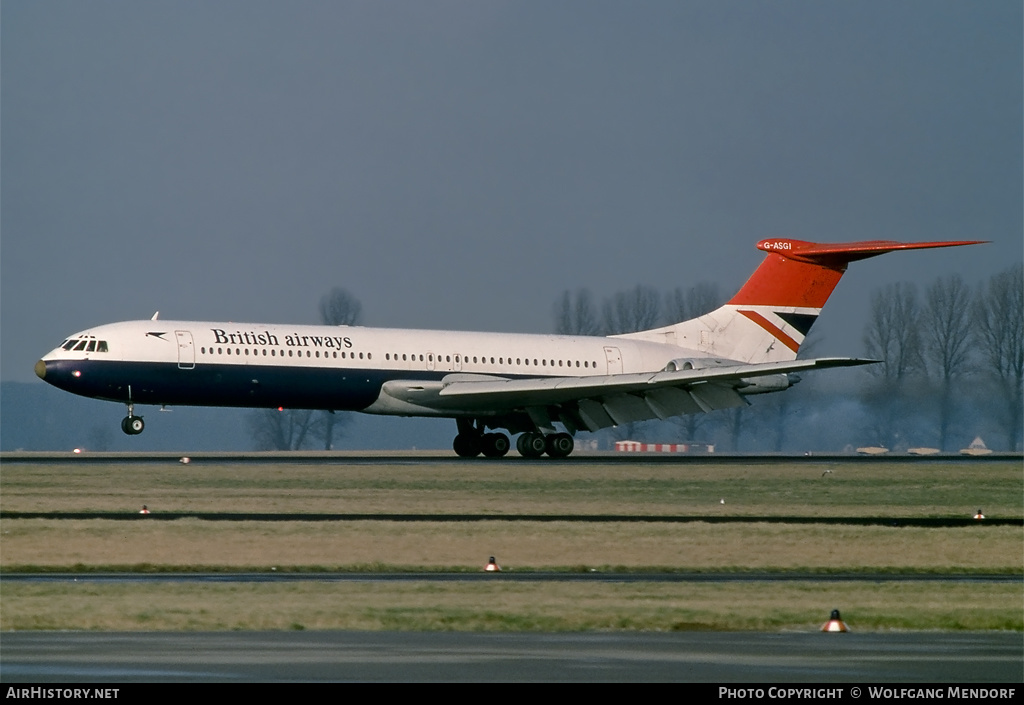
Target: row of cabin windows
[85, 345]
[388, 356]
[501, 360]
[277, 353]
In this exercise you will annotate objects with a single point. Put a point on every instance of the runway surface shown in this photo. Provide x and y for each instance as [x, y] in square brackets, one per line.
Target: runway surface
[828, 659]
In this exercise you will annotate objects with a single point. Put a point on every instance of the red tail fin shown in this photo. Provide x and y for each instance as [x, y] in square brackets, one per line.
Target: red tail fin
[803, 274]
[768, 318]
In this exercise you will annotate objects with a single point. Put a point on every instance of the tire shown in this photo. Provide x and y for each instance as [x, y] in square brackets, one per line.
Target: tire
[466, 445]
[559, 445]
[531, 445]
[495, 445]
[133, 425]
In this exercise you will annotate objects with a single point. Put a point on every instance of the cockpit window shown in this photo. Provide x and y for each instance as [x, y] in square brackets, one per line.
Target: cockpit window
[89, 344]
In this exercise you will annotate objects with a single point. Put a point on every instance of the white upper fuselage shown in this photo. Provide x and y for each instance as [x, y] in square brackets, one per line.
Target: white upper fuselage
[210, 363]
[187, 343]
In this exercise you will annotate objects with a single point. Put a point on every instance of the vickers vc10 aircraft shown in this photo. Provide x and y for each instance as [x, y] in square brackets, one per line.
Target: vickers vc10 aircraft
[487, 382]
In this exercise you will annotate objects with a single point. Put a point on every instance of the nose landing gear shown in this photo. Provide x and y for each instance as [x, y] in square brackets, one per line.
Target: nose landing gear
[131, 424]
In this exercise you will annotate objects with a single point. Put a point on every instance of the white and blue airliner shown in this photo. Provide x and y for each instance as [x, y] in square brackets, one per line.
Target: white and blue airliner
[545, 388]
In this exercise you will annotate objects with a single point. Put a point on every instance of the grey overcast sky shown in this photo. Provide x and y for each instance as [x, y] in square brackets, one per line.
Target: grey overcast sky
[458, 164]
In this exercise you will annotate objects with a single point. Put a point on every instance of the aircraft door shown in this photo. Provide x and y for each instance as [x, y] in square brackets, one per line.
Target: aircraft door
[614, 359]
[186, 350]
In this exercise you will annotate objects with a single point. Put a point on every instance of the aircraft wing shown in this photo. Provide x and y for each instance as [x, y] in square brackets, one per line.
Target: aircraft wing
[597, 402]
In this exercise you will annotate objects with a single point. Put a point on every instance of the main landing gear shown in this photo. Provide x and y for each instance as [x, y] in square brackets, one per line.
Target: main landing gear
[534, 445]
[472, 441]
[131, 424]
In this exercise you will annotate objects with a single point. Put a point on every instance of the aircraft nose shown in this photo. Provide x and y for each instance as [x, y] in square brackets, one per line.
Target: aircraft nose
[41, 370]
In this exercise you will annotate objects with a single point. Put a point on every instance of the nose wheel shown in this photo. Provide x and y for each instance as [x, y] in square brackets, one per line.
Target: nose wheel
[131, 424]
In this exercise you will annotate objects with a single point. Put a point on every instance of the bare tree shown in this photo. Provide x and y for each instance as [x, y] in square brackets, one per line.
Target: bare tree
[337, 308]
[294, 429]
[575, 314]
[947, 343]
[633, 310]
[281, 429]
[999, 326]
[684, 304]
[893, 337]
[893, 333]
[340, 308]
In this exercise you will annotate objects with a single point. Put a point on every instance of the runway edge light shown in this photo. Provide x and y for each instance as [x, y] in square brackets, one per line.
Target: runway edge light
[834, 623]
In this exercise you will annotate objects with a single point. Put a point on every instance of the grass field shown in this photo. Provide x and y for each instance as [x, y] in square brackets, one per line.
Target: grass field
[887, 490]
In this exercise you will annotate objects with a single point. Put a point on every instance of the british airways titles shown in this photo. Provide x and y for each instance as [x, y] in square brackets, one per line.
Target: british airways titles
[222, 337]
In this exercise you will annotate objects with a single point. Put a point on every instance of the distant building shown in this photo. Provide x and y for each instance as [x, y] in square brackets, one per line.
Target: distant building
[977, 447]
[638, 447]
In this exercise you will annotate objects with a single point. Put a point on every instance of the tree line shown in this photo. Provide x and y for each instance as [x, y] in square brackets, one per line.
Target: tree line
[950, 360]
